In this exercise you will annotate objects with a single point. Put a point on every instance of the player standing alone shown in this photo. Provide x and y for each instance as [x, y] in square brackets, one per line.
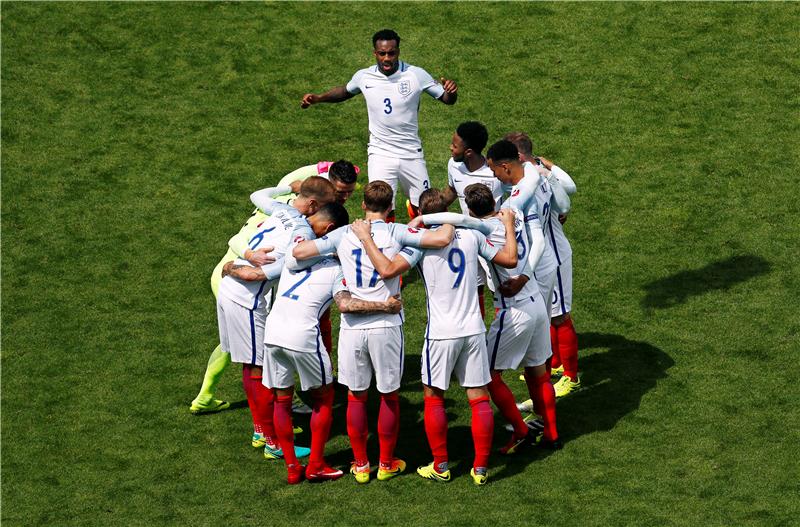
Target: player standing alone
[392, 91]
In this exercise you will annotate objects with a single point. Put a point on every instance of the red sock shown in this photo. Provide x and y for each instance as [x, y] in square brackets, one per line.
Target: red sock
[481, 303]
[388, 426]
[555, 360]
[326, 330]
[357, 426]
[321, 419]
[482, 430]
[544, 402]
[568, 348]
[390, 218]
[284, 428]
[505, 402]
[436, 428]
[247, 384]
[264, 399]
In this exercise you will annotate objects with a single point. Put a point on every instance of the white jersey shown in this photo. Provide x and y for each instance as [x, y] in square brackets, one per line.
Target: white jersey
[501, 274]
[450, 277]
[532, 196]
[555, 231]
[300, 299]
[362, 280]
[459, 177]
[393, 107]
[284, 226]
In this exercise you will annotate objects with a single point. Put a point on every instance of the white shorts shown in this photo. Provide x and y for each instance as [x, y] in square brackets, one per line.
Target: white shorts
[412, 174]
[363, 352]
[547, 283]
[465, 357]
[241, 331]
[520, 335]
[562, 293]
[280, 365]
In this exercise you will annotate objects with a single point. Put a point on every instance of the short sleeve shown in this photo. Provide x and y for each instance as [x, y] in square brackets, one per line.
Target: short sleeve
[354, 85]
[328, 243]
[485, 248]
[411, 254]
[428, 84]
[450, 168]
[407, 236]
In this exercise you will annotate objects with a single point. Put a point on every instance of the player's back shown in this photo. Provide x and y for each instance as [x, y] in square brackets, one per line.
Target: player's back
[363, 281]
[501, 274]
[450, 278]
[300, 298]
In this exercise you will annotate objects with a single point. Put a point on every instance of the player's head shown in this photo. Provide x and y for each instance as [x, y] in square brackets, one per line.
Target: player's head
[315, 192]
[329, 217]
[523, 144]
[470, 139]
[503, 159]
[378, 197]
[386, 47]
[432, 201]
[479, 200]
[343, 176]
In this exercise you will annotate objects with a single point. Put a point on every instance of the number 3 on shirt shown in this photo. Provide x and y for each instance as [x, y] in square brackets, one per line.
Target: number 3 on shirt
[388, 109]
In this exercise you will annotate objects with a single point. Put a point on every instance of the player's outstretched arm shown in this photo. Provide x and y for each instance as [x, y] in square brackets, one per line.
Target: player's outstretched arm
[264, 199]
[425, 238]
[347, 304]
[507, 256]
[564, 179]
[450, 94]
[452, 218]
[336, 94]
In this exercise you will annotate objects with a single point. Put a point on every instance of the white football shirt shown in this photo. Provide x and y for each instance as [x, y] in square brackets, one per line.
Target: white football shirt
[459, 177]
[301, 297]
[450, 278]
[393, 107]
[501, 274]
[362, 280]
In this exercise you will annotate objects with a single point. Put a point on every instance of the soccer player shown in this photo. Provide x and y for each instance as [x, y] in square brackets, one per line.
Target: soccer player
[342, 174]
[465, 167]
[242, 305]
[455, 340]
[563, 337]
[372, 344]
[392, 91]
[520, 330]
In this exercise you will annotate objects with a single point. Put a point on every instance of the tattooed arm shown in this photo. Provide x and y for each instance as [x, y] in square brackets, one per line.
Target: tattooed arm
[243, 272]
[348, 304]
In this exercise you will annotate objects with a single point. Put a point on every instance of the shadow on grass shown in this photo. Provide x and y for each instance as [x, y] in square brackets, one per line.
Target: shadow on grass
[613, 384]
[677, 288]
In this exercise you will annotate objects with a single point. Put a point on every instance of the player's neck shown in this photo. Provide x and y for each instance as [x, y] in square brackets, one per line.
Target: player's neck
[374, 216]
[473, 163]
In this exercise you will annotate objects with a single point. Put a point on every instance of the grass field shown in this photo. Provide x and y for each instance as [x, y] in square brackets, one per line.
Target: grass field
[132, 135]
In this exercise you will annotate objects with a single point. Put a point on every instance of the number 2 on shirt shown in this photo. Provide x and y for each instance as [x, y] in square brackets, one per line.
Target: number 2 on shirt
[457, 268]
[288, 294]
[388, 109]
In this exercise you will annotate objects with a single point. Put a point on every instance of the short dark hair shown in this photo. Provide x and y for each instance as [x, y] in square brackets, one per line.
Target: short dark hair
[378, 196]
[336, 213]
[343, 171]
[521, 141]
[479, 199]
[319, 189]
[474, 135]
[385, 34]
[432, 201]
[503, 150]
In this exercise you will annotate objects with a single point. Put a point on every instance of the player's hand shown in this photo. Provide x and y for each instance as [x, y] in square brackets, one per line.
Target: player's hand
[308, 100]
[507, 217]
[513, 286]
[295, 186]
[226, 269]
[416, 223]
[545, 162]
[562, 219]
[394, 304]
[362, 229]
[448, 85]
[259, 257]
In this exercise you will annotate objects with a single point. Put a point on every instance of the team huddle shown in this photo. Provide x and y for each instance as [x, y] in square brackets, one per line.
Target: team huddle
[299, 253]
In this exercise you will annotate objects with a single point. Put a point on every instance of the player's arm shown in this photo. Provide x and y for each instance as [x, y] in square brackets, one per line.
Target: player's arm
[385, 267]
[264, 199]
[299, 256]
[559, 201]
[451, 218]
[507, 256]
[347, 304]
[423, 238]
[336, 94]
[564, 179]
[450, 94]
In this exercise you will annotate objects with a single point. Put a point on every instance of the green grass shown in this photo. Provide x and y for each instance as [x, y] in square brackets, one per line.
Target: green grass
[132, 135]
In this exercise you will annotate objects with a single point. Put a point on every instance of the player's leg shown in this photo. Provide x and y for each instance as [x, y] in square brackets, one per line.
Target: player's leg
[278, 379]
[204, 402]
[355, 372]
[383, 168]
[567, 337]
[386, 353]
[413, 178]
[471, 368]
[437, 367]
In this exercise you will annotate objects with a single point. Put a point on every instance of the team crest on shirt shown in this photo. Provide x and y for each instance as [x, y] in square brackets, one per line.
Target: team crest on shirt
[404, 87]
[298, 239]
[515, 193]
